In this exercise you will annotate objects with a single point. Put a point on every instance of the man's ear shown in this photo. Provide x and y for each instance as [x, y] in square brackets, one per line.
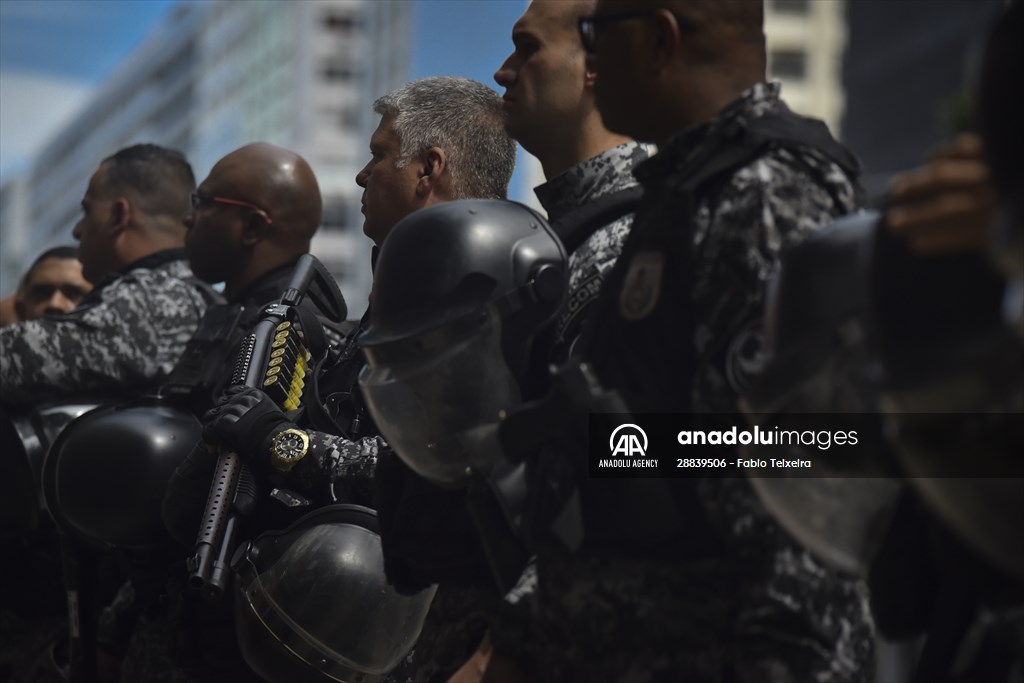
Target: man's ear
[120, 216]
[433, 165]
[255, 230]
[665, 39]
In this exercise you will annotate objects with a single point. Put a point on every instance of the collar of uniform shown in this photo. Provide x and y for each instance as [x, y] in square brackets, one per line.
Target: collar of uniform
[681, 147]
[266, 288]
[154, 260]
[609, 171]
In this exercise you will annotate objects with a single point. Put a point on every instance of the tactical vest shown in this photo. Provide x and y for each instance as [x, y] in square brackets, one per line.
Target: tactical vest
[639, 337]
[639, 341]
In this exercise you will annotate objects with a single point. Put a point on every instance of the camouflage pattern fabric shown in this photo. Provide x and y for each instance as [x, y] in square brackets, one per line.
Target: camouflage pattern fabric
[125, 336]
[608, 172]
[755, 607]
[337, 469]
[766, 611]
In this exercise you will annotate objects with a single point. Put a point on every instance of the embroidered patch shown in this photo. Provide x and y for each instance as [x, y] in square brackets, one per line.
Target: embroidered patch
[642, 288]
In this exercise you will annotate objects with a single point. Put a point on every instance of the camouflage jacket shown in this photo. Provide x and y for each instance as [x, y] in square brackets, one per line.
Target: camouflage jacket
[735, 599]
[125, 336]
[599, 176]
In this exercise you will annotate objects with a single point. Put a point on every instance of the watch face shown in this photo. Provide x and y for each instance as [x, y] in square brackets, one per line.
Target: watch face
[290, 445]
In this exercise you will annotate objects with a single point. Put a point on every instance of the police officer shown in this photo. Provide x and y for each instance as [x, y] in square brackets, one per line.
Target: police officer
[249, 222]
[642, 579]
[589, 194]
[52, 284]
[438, 139]
[128, 332]
[251, 219]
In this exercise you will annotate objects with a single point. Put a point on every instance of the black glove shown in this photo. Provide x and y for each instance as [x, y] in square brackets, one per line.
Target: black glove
[244, 420]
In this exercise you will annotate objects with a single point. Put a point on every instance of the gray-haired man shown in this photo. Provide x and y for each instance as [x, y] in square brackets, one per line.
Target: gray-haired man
[439, 139]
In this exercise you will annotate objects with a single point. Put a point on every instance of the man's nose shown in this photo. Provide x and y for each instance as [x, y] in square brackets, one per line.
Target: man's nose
[505, 75]
[59, 303]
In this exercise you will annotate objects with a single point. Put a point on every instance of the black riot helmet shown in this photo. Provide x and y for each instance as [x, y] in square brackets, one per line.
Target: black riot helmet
[462, 292]
[25, 437]
[858, 323]
[314, 605]
[105, 475]
[817, 325]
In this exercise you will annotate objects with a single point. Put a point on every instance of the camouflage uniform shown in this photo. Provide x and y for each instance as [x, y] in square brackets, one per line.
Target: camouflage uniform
[599, 176]
[121, 340]
[729, 597]
[125, 336]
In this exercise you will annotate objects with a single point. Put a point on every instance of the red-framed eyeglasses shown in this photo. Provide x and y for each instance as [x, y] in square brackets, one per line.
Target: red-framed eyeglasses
[199, 198]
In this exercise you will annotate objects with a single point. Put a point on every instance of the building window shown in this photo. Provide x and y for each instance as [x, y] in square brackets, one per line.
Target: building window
[335, 214]
[789, 64]
[791, 6]
[334, 71]
[343, 23]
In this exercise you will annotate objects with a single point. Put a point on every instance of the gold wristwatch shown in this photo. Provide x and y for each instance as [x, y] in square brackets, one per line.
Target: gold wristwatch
[287, 448]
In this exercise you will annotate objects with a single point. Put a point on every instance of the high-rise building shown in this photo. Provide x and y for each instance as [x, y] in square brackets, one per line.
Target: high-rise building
[218, 75]
[806, 40]
[17, 250]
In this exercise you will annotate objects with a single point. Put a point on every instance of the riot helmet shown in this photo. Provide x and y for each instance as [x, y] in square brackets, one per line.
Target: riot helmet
[104, 477]
[818, 364]
[25, 436]
[952, 391]
[313, 603]
[462, 293]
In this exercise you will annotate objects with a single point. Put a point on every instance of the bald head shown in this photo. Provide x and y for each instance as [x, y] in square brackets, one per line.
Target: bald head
[272, 211]
[278, 180]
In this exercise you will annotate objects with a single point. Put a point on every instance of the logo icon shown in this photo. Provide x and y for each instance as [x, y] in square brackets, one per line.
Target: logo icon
[626, 440]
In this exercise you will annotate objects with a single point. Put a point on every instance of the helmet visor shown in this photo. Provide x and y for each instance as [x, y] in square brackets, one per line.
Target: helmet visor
[438, 398]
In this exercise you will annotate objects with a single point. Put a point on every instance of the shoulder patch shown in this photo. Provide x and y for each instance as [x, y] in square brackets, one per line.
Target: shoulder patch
[642, 286]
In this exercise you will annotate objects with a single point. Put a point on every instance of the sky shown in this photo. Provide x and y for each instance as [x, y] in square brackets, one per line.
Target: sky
[54, 53]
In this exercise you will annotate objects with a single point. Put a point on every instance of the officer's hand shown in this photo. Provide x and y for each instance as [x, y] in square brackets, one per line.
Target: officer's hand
[244, 420]
[946, 205]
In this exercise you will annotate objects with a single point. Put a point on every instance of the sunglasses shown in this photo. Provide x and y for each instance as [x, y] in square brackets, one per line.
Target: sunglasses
[200, 198]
